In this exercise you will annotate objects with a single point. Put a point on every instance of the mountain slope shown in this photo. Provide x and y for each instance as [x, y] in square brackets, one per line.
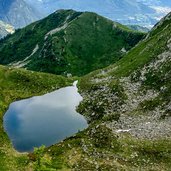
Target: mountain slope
[5, 29]
[17, 13]
[132, 98]
[146, 69]
[68, 42]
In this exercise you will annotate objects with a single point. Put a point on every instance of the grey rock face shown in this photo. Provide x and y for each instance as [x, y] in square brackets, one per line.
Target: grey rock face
[5, 29]
[17, 13]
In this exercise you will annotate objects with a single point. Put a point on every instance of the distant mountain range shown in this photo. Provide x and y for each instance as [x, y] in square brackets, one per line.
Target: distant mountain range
[133, 97]
[20, 13]
[125, 11]
[132, 12]
[138, 28]
[5, 29]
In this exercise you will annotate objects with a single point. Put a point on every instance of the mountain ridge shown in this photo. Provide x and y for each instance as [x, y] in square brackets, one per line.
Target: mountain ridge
[68, 43]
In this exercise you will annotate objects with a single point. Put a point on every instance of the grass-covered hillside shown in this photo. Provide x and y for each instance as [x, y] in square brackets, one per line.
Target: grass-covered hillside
[141, 79]
[18, 84]
[68, 42]
[132, 98]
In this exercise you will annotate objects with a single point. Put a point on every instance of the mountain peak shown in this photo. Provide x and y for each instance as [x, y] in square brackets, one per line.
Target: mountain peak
[68, 42]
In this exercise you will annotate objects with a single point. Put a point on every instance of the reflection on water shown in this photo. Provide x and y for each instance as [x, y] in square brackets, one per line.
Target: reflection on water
[45, 119]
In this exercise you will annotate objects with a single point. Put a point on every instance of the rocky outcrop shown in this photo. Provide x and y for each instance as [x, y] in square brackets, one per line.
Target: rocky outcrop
[5, 29]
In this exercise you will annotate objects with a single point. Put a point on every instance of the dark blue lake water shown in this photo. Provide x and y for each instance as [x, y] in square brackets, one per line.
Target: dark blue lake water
[44, 120]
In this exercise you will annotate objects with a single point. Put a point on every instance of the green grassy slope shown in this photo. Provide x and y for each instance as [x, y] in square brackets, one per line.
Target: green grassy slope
[18, 84]
[68, 42]
[133, 97]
